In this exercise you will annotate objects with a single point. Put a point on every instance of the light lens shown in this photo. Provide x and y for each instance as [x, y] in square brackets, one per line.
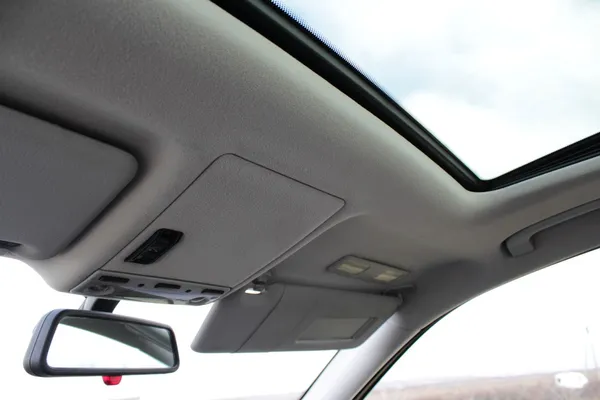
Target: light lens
[351, 269]
[389, 275]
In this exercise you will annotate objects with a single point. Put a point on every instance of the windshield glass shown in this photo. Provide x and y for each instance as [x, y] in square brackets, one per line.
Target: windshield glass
[273, 376]
[514, 78]
[537, 337]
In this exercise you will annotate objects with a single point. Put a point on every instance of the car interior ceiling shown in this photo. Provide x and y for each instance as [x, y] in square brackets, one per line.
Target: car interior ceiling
[128, 125]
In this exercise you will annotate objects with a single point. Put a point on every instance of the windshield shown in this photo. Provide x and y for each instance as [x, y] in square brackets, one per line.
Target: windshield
[272, 376]
[537, 337]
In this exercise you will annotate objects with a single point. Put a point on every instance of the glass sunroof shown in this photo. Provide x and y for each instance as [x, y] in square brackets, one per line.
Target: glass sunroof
[499, 83]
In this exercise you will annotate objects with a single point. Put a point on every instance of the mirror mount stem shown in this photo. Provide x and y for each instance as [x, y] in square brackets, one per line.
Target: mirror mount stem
[97, 304]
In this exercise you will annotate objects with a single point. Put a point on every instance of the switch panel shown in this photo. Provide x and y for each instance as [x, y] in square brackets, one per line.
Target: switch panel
[155, 247]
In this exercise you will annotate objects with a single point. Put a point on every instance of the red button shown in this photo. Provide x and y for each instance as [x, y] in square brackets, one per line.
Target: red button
[111, 380]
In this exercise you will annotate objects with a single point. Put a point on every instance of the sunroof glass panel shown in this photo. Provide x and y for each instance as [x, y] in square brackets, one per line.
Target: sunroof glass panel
[499, 83]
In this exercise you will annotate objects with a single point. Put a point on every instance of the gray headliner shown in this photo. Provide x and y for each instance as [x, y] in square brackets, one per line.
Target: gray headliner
[180, 83]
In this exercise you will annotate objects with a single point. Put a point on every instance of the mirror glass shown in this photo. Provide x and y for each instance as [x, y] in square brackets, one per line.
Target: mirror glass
[86, 342]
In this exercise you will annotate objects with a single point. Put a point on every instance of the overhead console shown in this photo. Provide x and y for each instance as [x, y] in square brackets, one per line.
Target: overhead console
[227, 226]
[54, 183]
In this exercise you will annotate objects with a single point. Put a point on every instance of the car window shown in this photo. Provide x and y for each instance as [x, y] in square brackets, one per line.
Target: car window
[537, 337]
[280, 376]
[474, 72]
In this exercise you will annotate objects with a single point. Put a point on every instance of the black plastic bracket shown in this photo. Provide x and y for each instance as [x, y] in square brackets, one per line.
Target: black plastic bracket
[155, 247]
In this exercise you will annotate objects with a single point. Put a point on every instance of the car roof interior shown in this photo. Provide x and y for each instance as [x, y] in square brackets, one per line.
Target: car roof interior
[200, 127]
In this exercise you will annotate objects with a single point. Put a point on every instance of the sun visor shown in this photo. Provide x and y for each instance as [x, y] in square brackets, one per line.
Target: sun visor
[290, 317]
[54, 183]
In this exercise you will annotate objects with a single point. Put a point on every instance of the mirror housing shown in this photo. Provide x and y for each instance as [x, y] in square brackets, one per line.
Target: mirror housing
[151, 346]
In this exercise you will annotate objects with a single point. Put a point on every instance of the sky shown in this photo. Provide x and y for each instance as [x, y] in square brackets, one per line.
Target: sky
[500, 83]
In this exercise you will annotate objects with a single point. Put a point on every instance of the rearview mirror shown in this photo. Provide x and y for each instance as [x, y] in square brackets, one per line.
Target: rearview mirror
[84, 343]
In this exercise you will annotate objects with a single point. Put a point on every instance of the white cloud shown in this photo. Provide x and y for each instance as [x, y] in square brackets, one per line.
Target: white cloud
[521, 75]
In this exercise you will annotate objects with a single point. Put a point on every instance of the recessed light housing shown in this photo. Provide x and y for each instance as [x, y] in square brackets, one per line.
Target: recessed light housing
[370, 271]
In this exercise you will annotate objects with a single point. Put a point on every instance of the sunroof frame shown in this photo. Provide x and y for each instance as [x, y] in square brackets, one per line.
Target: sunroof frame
[294, 38]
